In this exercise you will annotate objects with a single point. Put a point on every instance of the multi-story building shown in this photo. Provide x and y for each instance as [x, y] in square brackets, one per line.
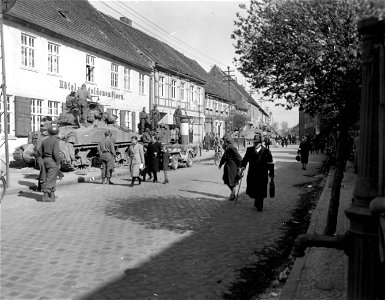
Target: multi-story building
[176, 79]
[52, 48]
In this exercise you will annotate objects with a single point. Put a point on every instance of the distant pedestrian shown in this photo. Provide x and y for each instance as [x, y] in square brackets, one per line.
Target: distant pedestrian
[154, 151]
[261, 166]
[136, 155]
[106, 150]
[207, 141]
[50, 153]
[165, 162]
[303, 151]
[231, 161]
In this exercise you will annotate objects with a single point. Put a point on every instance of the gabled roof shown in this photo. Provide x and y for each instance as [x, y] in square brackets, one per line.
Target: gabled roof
[159, 52]
[217, 72]
[77, 21]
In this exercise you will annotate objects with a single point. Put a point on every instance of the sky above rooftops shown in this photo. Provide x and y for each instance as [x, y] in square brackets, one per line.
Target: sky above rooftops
[199, 29]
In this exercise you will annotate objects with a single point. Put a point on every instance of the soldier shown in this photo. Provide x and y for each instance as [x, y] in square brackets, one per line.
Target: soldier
[49, 151]
[143, 120]
[177, 116]
[82, 95]
[37, 142]
[71, 100]
[106, 150]
[154, 117]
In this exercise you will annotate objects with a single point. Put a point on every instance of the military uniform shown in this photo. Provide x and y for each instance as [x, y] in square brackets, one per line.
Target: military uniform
[49, 151]
[106, 149]
[143, 119]
[154, 117]
[38, 140]
[177, 116]
[82, 95]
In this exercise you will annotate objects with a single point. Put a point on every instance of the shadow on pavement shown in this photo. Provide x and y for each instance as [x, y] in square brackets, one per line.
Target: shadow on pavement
[31, 176]
[26, 183]
[203, 193]
[37, 197]
[205, 181]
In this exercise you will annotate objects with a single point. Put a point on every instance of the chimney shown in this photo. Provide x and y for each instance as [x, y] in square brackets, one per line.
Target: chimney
[126, 21]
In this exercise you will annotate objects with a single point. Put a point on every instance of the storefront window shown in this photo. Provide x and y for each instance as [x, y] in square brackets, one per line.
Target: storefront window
[37, 114]
[53, 108]
[114, 75]
[90, 68]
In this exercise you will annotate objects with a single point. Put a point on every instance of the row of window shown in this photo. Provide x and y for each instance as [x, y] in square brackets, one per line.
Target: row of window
[193, 96]
[28, 61]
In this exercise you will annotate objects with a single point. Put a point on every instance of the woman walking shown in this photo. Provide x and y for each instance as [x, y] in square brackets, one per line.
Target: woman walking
[135, 152]
[231, 160]
[304, 149]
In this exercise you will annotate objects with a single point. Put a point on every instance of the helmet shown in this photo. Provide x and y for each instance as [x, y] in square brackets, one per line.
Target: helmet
[53, 130]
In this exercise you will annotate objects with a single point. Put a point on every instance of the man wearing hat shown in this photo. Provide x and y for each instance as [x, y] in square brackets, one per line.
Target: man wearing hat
[106, 150]
[261, 166]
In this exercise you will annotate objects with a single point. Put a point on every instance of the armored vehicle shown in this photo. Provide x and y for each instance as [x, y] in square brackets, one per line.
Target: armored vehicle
[78, 141]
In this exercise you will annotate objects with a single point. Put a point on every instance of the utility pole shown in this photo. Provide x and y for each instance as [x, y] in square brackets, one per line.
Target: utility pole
[228, 77]
[6, 5]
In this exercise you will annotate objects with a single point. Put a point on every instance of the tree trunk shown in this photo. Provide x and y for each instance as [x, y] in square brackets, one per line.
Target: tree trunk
[341, 157]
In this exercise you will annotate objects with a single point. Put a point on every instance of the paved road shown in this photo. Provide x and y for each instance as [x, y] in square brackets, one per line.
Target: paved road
[183, 240]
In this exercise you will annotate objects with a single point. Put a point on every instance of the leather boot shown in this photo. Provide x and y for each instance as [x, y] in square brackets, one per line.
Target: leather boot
[140, 180]
[104, 180]
[39, 186]
[132, 182]
[52, 197]
[46, 197]
[109, 181]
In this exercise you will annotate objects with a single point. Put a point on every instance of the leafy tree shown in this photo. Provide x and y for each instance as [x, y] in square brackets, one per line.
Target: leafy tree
[237, 121]
[284, 128]
[309, 53]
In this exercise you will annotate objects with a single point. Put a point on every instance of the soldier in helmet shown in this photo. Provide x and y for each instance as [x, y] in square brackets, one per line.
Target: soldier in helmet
[106, 149]
[49, 151]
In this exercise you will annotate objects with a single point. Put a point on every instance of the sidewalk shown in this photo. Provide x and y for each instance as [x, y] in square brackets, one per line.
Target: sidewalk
[322, 272]
[25, 179]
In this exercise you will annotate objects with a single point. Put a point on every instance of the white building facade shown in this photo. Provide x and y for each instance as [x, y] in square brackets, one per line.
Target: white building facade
[41, 70]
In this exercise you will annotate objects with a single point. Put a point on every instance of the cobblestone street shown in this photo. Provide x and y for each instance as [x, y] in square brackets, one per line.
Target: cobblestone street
[182, 240]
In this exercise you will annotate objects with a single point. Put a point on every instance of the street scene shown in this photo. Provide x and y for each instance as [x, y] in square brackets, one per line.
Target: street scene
[150, 241]
[192, 150]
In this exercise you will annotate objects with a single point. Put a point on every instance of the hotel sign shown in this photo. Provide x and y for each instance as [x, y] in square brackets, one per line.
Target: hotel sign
[94, 91]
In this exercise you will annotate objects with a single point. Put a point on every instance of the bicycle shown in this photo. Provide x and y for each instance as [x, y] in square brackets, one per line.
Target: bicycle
[218, 155]
[3, 186]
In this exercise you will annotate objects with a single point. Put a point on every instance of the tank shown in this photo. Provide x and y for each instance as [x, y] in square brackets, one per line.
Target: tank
[79, 141]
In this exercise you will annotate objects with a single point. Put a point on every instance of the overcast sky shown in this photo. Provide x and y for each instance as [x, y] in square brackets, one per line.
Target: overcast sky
[199, 29]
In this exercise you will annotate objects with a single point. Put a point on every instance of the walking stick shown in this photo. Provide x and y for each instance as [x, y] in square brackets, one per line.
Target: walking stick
[239, 187]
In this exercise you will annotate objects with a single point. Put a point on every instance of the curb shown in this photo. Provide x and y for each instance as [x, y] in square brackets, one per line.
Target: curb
[290, 288]
[86, 178]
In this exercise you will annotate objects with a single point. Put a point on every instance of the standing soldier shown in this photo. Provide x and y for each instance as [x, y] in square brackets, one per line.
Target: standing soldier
[82, 95]
[106, 150]
[135, 152]
[177, 116]
[49, 151]
[154, 150]
[260, 166]
[37, 142]
[154, 117]
[143, 120]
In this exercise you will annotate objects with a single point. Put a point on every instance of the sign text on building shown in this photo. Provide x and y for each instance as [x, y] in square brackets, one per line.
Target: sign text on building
[67, 85]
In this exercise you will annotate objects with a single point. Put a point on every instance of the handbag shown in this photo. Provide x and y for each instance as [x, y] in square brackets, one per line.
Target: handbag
[298, 158]
[272, 188]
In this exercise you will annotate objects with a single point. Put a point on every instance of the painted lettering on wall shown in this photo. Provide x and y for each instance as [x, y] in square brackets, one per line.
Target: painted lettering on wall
[95, 91]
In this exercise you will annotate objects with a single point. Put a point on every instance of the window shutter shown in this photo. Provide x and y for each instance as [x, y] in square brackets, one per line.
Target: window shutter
[134, 125]
[22, 116]
[122, 118]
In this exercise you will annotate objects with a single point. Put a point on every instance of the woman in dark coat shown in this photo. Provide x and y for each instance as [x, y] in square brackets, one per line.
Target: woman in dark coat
[303, 151]
[165, 162]
[231, 159]
[261, 165]
[154, 150]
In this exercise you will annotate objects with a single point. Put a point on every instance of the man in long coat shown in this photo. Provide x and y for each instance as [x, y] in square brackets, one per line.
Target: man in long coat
[261, 166]
[136, 154]
[154, 150]
[177, 115]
